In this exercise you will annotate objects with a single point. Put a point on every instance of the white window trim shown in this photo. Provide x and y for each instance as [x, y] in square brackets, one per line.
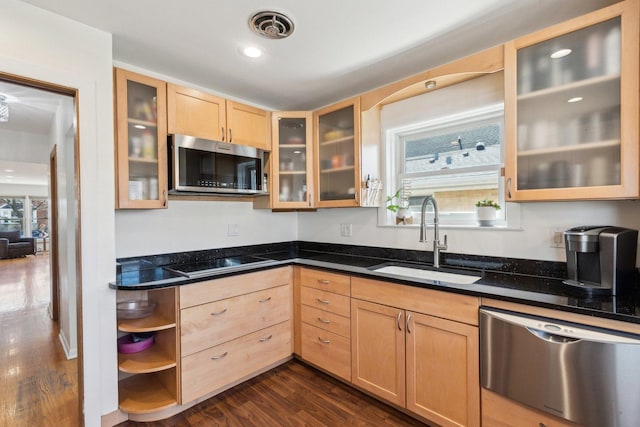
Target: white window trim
[392, 154]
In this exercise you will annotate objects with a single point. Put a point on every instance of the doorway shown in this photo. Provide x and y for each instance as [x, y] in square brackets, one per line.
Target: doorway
[38, 132]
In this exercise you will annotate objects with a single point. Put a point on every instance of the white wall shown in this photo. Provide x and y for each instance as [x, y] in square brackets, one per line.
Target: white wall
[24, 146]
[62, 136]
[43, 46]
[532, 241]
[24, 190]
[194, 225]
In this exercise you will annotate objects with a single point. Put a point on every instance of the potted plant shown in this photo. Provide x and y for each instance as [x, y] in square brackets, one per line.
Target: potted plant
[401, 208]
[486, 211]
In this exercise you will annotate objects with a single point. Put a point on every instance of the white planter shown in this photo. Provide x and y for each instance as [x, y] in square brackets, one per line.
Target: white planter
[486, 215]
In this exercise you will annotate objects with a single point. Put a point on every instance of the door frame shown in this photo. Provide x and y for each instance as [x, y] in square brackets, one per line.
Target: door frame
[53, 234]
[74, 93]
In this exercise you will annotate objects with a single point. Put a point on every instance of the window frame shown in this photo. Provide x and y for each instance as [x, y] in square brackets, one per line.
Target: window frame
[393, 160]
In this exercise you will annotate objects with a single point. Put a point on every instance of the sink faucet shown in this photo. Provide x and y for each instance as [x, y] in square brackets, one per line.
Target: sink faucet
[437, 246]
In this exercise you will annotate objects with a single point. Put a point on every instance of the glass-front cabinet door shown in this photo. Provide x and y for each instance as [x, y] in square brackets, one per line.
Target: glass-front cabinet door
[571, 109]
[292, 160]
[337, 154]
[141, 145]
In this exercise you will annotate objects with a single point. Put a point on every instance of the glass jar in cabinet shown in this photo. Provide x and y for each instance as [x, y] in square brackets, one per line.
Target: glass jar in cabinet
[141, 135]
[337, 153]
[292, 160]
[571, 109]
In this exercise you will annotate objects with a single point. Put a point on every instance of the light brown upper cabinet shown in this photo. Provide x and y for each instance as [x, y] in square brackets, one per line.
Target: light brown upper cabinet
[292, 157]
[195, 113]
[141, 136]
[337, 154]
[571, 109]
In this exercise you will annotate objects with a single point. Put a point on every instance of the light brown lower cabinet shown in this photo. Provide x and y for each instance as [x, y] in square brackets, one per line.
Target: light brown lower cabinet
[214, 368]
[426, 364]
[233, 328]
[498, 411]
[325, 331]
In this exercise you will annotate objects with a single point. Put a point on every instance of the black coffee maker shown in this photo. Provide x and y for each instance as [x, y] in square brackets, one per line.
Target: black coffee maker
[601, 259]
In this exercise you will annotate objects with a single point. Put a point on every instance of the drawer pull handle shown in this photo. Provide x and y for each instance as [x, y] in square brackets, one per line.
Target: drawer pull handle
[322, 301]
[218, 313]
[220, 356]
[324, 341]
[266, 339]
[323, 282]
[265, 299]
[320, 319]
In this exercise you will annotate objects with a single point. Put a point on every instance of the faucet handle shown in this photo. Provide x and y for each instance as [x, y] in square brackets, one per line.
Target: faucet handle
[444, 247]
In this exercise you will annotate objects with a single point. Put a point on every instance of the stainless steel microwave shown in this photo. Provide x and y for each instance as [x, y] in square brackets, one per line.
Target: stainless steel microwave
[205, 166]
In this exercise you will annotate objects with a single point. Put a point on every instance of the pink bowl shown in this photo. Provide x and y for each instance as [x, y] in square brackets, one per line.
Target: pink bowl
[126, 344]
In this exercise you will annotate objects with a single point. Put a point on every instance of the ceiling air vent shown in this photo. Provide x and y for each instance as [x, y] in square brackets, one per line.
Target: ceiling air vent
[272, 25]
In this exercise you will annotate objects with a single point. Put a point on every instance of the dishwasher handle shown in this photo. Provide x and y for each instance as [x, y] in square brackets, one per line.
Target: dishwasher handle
[548, 336]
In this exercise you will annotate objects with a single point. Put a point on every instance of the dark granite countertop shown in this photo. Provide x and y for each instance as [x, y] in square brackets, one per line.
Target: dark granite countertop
[503, 279]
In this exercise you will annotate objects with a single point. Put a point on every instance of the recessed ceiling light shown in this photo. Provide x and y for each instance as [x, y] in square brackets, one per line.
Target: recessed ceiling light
[8, 170]
[560, 53]
[575, 99]
[430, 84]
[252, 52]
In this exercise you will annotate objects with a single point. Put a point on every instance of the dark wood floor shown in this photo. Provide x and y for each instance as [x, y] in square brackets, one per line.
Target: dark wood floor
[291, 395]
[38, 385]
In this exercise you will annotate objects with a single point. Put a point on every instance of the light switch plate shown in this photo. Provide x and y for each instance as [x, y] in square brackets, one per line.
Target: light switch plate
[346, 230]
[557, 237]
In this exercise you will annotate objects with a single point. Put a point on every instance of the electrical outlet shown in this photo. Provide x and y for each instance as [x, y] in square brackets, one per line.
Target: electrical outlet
[557, 238]
[346, 230]
[233, 230]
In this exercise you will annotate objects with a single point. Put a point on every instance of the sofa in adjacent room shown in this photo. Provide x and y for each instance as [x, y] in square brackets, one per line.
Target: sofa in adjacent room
[12, 245]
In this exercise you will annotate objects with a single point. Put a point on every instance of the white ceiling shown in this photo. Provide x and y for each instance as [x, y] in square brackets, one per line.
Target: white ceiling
[339, 48]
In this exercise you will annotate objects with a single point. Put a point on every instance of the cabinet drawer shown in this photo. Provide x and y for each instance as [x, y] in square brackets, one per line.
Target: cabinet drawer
[327, 350]
[461, 308]
[217, 367]
[326, 320]
[227, 287]
[210, 324]
[325, 281]
[498, 411]
[327, 301]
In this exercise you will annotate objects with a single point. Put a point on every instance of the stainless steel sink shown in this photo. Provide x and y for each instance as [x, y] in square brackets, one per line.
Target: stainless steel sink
[437, 276]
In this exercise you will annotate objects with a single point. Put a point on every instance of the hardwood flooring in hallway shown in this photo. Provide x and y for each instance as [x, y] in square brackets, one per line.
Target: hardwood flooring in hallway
[290, 395]
[39, 385]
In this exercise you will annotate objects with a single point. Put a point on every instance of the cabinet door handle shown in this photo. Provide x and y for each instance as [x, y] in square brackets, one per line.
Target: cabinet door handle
[324, 341]
[509, 188]
[321, 320]
[266, 339]
[399, 320]
[408, 323]
[220, 356]
[265, 299]
[230, 136]
[223, 134]
[323, 301]
[310, 197]
[218, 313]
[164, 198]
[323, 282]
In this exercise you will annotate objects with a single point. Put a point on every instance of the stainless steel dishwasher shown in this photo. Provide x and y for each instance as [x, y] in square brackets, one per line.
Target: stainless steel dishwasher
[583, 374]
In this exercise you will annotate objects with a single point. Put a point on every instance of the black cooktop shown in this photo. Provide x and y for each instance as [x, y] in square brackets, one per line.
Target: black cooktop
[206, 267]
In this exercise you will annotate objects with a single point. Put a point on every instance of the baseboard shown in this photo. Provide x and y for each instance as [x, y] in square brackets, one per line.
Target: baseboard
[113, 418]
[71, 353]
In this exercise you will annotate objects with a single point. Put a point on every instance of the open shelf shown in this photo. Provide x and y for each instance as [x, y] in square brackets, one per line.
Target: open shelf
[155, 322]
[144, 394]
[153, 359]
